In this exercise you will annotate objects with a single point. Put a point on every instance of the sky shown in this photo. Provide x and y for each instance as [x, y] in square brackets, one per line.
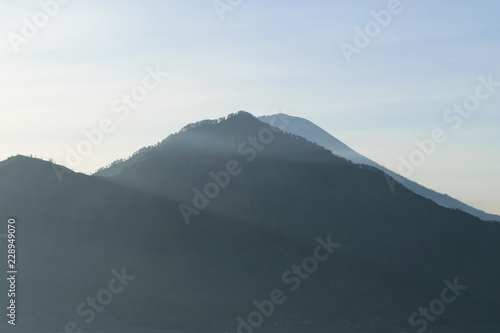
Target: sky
[101, 79]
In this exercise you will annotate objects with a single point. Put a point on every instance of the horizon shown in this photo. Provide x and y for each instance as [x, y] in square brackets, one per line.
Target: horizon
[276, 119]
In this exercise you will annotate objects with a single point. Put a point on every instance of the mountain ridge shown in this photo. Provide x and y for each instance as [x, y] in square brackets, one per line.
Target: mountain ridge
[313, 133]
[307, 129]
[395, 248]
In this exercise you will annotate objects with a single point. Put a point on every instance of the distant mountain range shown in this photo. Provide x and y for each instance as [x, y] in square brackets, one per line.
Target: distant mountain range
[228, 215]
[314, 133]
[310, 131]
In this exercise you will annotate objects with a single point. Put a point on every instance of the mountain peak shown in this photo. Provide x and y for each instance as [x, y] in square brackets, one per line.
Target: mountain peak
[241, 114]
[31, 167]
[17, 160]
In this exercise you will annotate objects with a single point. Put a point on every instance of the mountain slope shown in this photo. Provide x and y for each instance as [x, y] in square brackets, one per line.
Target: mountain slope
[283, 194]
[314, 133]
[299, 189]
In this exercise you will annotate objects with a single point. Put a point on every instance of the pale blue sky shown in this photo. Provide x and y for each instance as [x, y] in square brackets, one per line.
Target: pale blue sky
[263, 57]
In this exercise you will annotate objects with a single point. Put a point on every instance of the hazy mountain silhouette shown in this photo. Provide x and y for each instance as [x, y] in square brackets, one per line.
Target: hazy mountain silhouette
[396, 247]
[314, 133]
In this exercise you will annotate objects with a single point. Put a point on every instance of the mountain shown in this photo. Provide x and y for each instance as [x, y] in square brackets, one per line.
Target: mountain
[314, 133]
[233, 225]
